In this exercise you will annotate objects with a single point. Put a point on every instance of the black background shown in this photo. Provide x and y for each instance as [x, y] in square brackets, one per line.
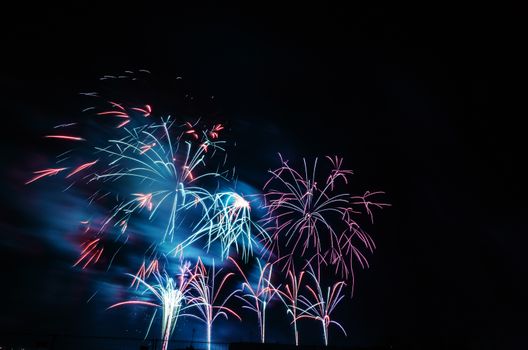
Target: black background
[421, 101]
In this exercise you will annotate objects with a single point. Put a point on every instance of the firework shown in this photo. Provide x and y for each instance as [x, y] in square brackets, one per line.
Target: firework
[310, 216]
[152, 169]
[228, 220]
[320, 306]
[205, 297]
[160, 182]
[169, 172]
[289, 294]
[171, 295]
[257, 297]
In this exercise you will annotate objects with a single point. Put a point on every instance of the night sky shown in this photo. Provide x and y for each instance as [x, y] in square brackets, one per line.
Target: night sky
[408, 96]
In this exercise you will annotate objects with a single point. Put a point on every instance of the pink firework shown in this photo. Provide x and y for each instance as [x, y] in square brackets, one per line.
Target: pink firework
[309, 216]
[39, 174]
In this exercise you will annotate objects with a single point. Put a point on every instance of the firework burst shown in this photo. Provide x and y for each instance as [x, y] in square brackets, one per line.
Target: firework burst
[167, 169]
[309, 216]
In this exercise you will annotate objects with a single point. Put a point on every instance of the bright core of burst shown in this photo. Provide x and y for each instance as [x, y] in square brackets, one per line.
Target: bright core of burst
[240, 202]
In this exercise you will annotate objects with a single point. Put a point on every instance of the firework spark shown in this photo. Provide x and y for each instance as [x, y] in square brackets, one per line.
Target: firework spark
[144, 272]
[65, 137]
[81, 168]
[92, 251]
[39, 174]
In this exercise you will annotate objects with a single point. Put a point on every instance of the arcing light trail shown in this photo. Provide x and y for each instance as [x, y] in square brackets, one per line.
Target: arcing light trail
[163, 183]
[145, 271]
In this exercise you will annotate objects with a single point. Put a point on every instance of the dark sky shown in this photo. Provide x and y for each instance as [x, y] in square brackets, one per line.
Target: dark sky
[408, 95]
